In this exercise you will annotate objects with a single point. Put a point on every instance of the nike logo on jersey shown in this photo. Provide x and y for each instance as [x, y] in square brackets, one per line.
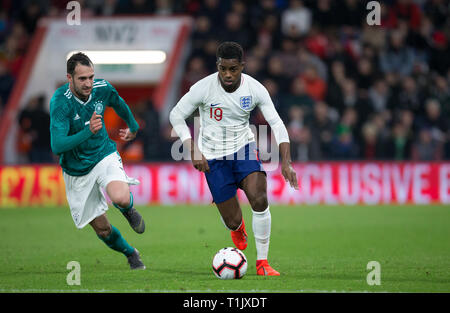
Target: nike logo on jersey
[77, 117]
[213, 105]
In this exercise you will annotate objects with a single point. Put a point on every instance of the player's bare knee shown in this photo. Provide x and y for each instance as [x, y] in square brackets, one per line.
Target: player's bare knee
[122, 199]
[103, 232]
[259, 203]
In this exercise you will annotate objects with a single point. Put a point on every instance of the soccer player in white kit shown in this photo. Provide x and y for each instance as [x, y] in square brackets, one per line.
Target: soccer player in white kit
[227, 151]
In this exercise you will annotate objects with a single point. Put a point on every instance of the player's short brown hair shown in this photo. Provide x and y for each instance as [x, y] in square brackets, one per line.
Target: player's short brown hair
[77, 58]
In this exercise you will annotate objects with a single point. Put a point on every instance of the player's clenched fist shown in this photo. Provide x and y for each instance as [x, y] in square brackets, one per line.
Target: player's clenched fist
[95, 123]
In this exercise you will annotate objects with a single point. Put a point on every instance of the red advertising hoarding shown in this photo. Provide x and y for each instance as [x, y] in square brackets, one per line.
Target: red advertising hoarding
[320, 183]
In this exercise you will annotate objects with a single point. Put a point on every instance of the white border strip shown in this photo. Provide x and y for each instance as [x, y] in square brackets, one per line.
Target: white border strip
[184, 291]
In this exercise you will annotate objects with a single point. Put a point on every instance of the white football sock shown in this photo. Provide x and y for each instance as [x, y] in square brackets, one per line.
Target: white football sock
[261, 229]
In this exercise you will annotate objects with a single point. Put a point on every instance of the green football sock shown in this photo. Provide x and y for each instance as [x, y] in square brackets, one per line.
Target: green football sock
[116, 242]
[129, 207]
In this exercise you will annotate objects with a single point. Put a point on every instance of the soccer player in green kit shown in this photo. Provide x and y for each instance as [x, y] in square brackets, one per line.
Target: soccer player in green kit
[89, 158]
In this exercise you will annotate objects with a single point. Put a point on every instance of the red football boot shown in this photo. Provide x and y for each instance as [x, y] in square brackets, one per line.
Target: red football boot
[239, 237]
[264, 269]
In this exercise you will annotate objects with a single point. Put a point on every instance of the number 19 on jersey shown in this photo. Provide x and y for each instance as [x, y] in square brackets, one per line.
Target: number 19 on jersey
[215, 113]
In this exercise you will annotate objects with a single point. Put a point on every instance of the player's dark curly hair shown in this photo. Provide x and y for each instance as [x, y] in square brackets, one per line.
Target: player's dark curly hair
[77, 58]
[230, 50]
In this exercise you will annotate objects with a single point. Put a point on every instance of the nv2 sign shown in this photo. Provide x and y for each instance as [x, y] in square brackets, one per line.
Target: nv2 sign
[118, 33]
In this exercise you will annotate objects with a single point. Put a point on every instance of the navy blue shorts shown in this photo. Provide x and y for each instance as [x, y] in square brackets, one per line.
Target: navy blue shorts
[225, 174]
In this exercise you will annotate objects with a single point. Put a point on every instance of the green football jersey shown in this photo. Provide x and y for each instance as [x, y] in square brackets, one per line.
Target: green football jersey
[79, 149]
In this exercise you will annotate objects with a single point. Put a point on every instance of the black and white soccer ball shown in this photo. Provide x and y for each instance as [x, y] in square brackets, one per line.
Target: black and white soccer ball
[229, 263]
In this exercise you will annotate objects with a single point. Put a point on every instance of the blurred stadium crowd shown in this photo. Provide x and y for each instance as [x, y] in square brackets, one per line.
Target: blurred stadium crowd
[345, 90]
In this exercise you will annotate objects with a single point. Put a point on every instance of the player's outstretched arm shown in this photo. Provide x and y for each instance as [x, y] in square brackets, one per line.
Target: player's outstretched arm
[123, 110]
[281, 136]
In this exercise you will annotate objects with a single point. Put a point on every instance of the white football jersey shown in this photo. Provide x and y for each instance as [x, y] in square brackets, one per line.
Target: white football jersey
[224, 116]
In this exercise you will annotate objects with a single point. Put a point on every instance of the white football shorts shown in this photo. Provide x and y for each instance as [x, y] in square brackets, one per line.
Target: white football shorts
[84, 193]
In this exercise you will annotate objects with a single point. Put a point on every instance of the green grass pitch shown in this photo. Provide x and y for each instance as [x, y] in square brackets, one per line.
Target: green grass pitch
[315, 248]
